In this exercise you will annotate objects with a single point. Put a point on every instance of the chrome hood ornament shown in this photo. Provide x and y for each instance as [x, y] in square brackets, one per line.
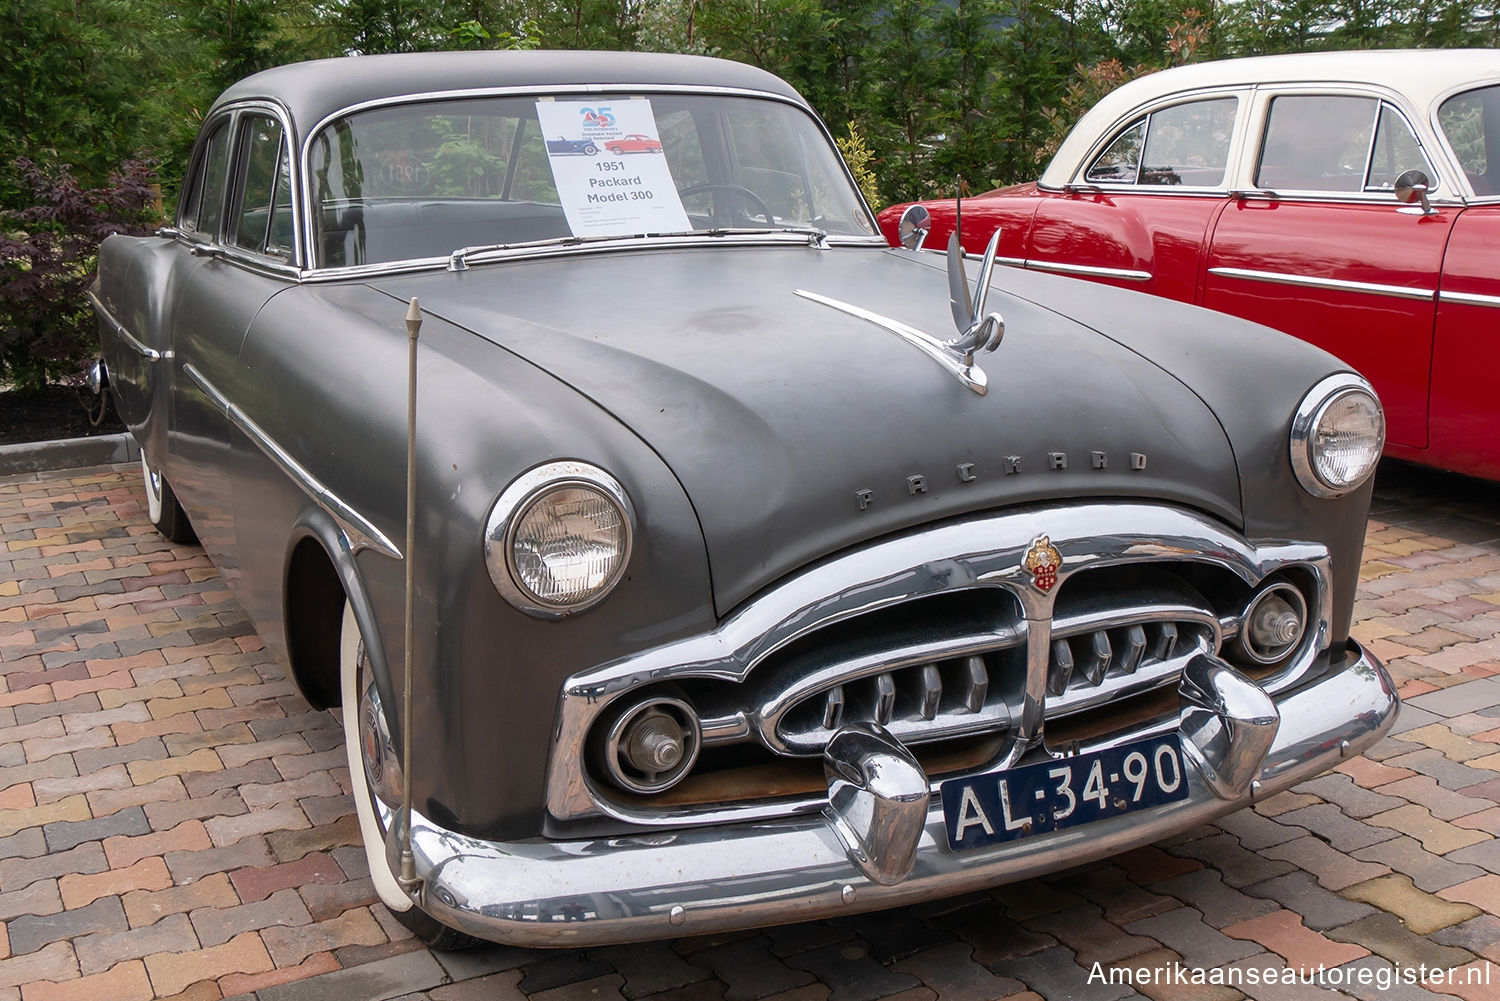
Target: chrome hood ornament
[977, 330]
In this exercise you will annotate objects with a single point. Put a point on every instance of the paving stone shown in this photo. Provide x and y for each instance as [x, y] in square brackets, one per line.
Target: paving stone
[1428, 871]
[98, 952]
[19, 873]
[258, 882]
[1445, 804]
[289, 846]
[1422, 912]
[146, 907]
[1219, 904]
[31, 932]
[1344, 833]
[217, 925]
[173, 972]
[1320, 909]
[952, 972]
[1184, 932]
[1120, 899]
[851, 972]
[247, 983]
[1480, 936]
[1255, 831]
[1448, 773]
[494, 987]
[1092, 939]
[149, 749]
[1354, 800]
[790, 939]
[190, 865]
[54, 962]
[291, 945]
[64, 835]
[1283, 932]
[485, 959]
[41, 897]
[329, 900]
[1384, 935]
[748, 969]
[650, 968]
[166, 815]
[1031, 898]
[1437, 836]
[24, 844]
[559, 969]
[1483, 892]
[893, 935]
[125, 981]
[1055, 973]
[377, 981]
[1236, 866]
[1161, 976]
[1148, 864]
[995, 938]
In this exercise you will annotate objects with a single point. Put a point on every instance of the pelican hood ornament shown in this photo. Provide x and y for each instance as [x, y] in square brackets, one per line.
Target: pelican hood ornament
[978, 330]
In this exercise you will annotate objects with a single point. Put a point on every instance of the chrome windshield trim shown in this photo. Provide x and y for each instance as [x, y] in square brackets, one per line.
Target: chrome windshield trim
[1470, 299]
[979, 552]
[970, 375]
[1092, 271]
[150, 354]
[361, 532]
[1335, 284]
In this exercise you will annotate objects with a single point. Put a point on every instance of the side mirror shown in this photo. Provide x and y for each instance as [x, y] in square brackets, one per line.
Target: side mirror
[1411, 188]
[915, 223]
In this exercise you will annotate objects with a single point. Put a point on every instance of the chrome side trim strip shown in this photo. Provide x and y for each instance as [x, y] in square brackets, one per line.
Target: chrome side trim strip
[970, 375]
[362, 533]
[1470, 299]
[150, 354]
[1125, 274]
[1335, 284]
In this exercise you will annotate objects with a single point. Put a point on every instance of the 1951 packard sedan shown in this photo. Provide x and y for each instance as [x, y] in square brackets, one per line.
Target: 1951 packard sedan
[1351, 199]
[758, 571]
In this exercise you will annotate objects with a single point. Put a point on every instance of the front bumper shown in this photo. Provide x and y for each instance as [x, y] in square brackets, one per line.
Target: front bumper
[690, 881]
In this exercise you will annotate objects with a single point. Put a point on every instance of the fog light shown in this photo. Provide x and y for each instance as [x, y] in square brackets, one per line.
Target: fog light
[1273, 624]
[653, 745]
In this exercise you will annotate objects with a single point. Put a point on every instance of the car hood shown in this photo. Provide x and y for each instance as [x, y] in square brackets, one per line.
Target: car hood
[798, 430]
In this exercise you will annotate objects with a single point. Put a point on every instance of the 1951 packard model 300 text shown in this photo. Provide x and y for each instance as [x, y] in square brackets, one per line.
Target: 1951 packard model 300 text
[743, 587]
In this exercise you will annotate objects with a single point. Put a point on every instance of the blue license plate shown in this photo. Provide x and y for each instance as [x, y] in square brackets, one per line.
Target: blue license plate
[997, 807]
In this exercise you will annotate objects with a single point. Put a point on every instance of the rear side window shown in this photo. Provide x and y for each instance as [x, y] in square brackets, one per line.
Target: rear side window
[1186, 144]
[263, 222]
[1335, 143]
[205, 202]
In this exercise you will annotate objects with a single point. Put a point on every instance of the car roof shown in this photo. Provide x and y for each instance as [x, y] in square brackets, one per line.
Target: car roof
[1422, 75]
[312, 91]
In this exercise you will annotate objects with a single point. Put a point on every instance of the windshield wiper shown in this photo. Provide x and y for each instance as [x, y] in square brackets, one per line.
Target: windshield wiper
[458, 260]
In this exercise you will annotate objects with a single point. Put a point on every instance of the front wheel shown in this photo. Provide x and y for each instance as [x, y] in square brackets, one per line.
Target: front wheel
[375, 774]
[162, 508]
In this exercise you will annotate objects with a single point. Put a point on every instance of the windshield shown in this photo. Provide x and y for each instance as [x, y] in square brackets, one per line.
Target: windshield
[421, 180]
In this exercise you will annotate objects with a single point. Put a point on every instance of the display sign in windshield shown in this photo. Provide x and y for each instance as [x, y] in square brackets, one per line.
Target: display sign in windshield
[607, 162]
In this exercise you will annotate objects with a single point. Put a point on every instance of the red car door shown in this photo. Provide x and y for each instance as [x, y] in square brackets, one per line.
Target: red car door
[1321, 249]
[1464, 420]
[1140, 214]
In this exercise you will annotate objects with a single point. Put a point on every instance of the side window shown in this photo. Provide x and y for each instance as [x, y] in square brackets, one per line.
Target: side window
[1396, 151]
[1471, 123]
[205, 203]
[1184, 144]
[263, 219]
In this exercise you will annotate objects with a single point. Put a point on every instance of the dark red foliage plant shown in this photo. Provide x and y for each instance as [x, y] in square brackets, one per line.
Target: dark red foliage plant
[48, 252]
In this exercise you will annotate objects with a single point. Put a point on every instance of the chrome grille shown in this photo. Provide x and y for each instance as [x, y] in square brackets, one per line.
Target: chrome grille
[936, 700]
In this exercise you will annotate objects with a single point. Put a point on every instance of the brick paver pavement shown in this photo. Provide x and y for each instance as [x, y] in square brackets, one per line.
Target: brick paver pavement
[175, 821]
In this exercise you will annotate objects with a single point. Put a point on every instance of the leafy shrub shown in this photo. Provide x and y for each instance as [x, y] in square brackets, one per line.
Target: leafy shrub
[47, 256]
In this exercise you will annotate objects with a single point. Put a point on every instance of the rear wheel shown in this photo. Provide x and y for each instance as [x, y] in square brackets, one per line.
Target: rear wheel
[375, 774]
[162, 507]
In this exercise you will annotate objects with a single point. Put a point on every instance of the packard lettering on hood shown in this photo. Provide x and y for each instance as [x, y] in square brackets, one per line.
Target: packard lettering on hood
[743, 549]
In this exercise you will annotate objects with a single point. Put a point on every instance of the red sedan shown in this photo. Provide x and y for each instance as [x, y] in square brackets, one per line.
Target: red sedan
[633, 143]
[1349, 198]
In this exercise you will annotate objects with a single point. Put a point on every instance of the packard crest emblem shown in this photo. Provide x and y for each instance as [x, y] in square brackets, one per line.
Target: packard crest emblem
[1042, 562]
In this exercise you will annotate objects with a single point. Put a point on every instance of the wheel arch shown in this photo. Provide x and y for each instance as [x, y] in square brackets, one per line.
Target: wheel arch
[320, 576]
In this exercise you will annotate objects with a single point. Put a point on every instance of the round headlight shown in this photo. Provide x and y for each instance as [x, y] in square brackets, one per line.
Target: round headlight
[1337, 435]
[558, 538]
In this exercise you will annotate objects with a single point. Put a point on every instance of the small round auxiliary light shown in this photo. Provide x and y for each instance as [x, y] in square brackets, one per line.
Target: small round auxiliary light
[653, 745]
[1273, 624]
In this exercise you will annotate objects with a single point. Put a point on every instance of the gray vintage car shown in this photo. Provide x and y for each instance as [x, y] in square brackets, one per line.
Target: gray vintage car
[756, 571]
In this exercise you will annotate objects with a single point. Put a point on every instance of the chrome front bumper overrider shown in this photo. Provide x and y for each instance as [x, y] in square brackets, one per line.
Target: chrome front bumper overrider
[882, 841]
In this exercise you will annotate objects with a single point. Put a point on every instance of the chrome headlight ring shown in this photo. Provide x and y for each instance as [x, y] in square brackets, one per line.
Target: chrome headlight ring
[1337, 435]
[567, 515]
